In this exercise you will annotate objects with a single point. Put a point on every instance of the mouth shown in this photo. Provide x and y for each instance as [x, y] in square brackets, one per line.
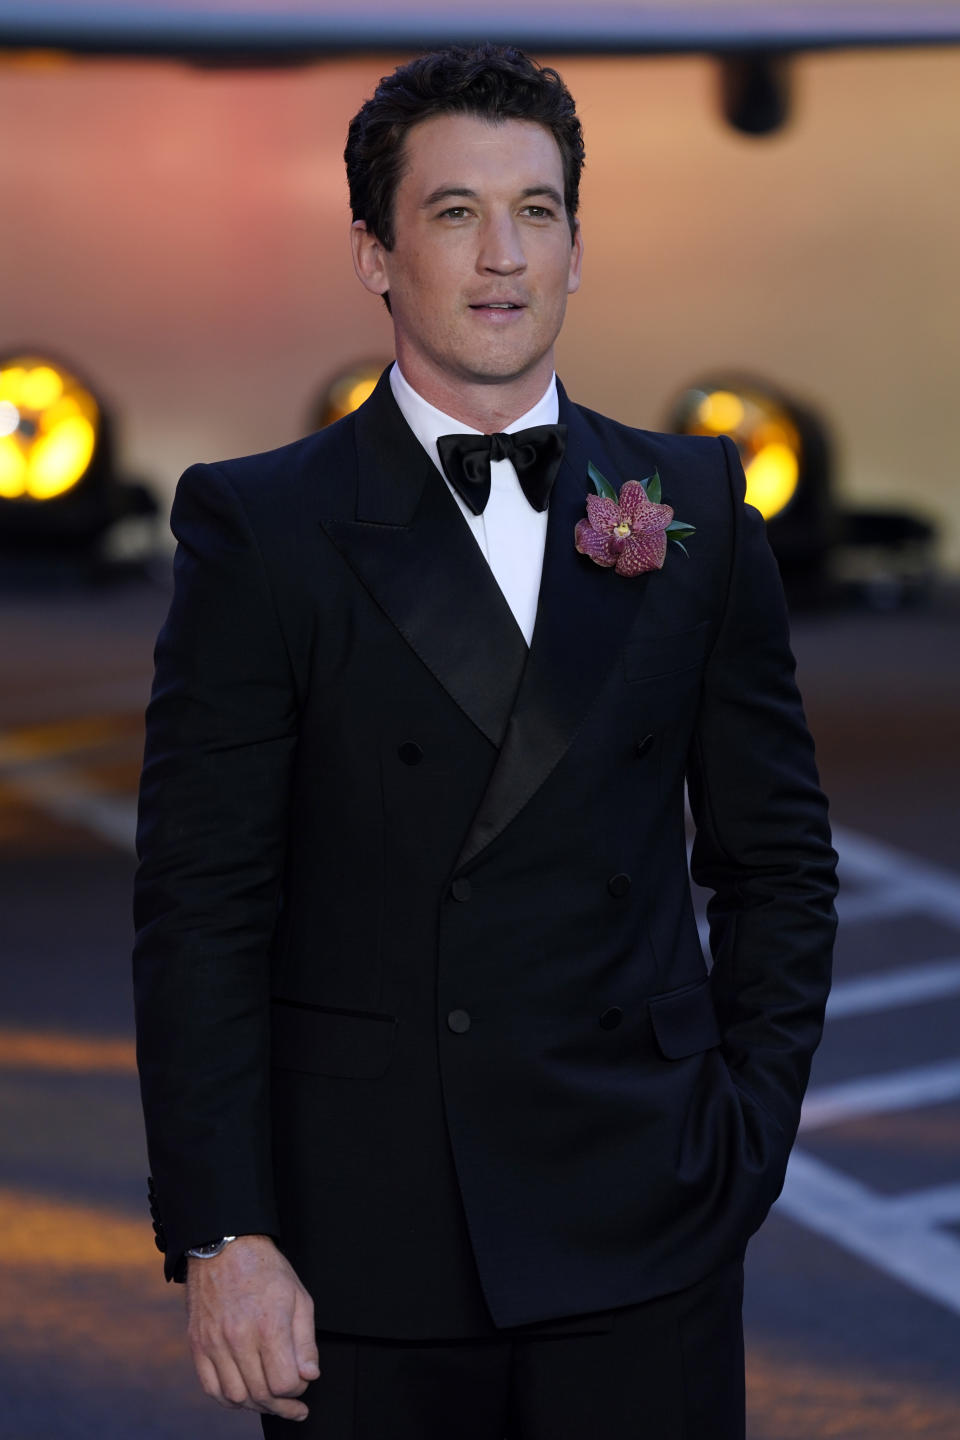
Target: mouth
[497, 305]
[498, 313]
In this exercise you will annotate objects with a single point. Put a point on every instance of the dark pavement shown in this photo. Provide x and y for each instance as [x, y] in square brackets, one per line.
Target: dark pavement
[853, 1300]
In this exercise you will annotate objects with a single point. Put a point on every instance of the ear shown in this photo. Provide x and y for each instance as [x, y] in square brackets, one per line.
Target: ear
[576, 260]
[368, 258]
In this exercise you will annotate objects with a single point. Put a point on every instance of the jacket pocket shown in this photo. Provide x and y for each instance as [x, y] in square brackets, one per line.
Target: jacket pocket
[651, 656]
[321, 1041]
[684, 1022]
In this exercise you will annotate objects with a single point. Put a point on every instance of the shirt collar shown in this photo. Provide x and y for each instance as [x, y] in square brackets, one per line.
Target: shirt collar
[427, 422]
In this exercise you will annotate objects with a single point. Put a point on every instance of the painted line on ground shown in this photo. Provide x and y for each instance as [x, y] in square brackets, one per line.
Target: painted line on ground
[63, 791]
[61, 1052]
[895, 1234]
[881, 901]
[58, 739]
[881, 1094]
[872, 1227]
[936, 888]
[891, 989]
[49, 1234]
[939, 1204]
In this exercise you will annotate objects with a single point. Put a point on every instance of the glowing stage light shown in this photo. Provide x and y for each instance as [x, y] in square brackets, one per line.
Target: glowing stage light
[786, 459]
[764, 431]
[59, 494]
[720, 412]
[772, 477]
[49, 425]
[346, 392]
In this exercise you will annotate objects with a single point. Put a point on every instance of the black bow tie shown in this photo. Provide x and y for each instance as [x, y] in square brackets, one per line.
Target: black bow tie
[536, 454]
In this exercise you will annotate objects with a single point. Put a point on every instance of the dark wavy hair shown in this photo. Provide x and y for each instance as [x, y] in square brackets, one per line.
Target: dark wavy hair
[494, 82]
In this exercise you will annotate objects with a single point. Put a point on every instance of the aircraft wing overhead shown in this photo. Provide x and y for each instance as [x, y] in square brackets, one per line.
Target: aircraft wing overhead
[248, 31]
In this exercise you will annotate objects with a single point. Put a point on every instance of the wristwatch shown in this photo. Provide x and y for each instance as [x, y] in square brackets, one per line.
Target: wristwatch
[211, 1248]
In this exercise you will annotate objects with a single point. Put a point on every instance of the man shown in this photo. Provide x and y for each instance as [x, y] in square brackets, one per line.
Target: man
[423, 1016]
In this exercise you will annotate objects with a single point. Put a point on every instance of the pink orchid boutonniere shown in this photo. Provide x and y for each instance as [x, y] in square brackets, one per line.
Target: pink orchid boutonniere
[628, 532]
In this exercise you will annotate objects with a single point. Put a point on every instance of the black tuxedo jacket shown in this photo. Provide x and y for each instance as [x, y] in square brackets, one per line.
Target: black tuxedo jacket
[419, 987]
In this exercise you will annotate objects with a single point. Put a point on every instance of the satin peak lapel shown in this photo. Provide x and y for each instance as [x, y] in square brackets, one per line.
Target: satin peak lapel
[584, 616]
[410, 547]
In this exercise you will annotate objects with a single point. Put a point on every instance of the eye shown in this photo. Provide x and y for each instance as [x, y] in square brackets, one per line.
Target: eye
[454, 212]
[539, 212]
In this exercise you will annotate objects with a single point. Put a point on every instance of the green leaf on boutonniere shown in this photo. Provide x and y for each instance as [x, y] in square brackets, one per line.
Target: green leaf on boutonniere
[678, 531]
[652, 487]
[600, 484]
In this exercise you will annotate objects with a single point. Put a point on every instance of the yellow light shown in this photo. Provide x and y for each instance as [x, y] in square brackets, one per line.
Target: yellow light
[51, 422]
[64, 409]
[40, 387]
[775, 430]
[58, 459]
[360, 391]
[772, 477]
[10, 381]
[13, 469]
[721, 412]
[345, 393]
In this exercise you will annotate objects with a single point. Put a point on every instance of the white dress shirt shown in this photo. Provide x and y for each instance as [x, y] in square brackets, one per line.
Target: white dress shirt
[510, 533]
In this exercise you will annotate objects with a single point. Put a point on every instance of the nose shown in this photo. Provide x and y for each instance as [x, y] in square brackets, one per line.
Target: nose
[501, 247]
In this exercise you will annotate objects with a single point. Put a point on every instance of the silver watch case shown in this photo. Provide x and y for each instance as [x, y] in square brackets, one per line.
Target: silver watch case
[212, 1248]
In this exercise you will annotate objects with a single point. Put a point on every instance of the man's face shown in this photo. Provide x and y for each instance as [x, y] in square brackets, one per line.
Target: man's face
[483, 261]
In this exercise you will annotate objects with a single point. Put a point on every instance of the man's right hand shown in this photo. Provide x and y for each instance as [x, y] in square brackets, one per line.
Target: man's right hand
[250, 1327]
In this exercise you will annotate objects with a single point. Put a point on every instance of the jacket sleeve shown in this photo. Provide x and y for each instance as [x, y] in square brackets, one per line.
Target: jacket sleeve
[762, 840]
[220, 741]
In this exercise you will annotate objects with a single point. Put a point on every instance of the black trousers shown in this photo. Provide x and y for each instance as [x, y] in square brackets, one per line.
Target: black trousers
[669, 1369]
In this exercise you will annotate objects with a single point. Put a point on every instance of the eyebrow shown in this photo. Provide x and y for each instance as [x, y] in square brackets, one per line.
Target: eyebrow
[446, 192]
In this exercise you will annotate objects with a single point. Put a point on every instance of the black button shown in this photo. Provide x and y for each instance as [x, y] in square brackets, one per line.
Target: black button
[410, 752]
[619, 885]
[611, 1018]
[459, 1021]
[460, 890]
[644, 745]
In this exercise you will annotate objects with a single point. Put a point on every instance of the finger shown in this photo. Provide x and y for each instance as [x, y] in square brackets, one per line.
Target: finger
[259, 1394]
[270, 1402]
[233, 1386]
[280, 1363]
[305, 1337]
[208, 1377]
[286, 1409]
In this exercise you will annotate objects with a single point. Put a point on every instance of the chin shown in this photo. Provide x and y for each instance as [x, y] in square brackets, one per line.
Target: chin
[500, 370]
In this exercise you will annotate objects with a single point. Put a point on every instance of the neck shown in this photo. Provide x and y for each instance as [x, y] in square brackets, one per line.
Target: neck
[487, 406]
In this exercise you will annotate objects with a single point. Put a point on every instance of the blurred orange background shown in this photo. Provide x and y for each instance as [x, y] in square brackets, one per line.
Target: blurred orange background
[180, 235]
